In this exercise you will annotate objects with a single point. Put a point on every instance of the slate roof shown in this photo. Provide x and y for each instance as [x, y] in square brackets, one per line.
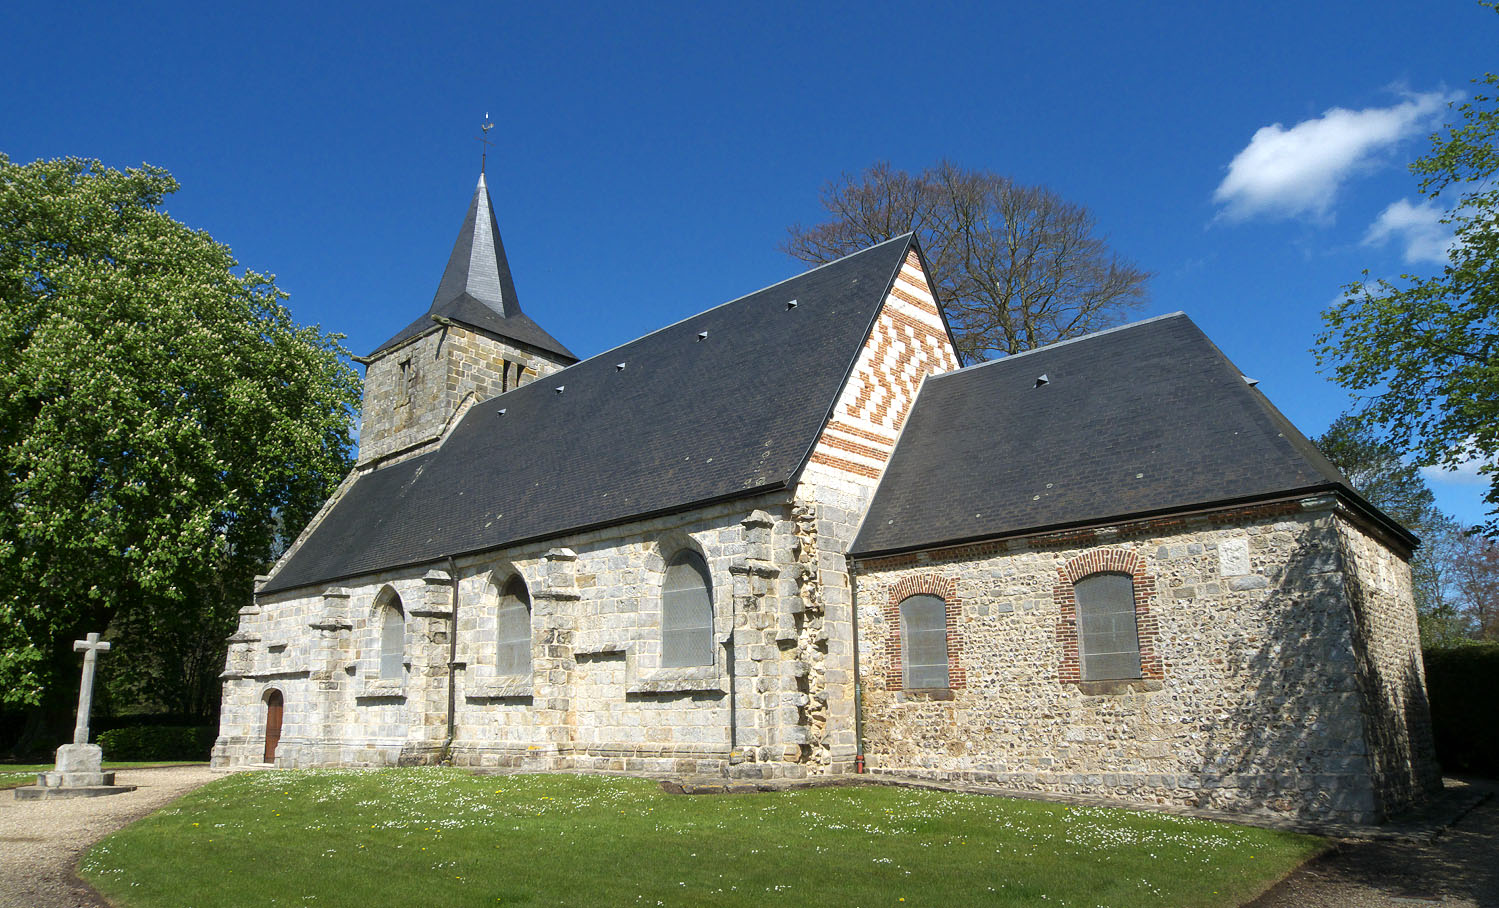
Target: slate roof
[1139, 420]
[476, 287]
[685, 422]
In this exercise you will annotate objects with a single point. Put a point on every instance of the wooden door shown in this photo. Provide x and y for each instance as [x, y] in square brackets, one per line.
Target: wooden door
[273, 704]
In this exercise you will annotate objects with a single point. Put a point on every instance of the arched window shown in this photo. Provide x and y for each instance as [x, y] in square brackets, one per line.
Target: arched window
[1107, 637]
[923, 633]
[392, 640]
[686, 612]
[513, 630]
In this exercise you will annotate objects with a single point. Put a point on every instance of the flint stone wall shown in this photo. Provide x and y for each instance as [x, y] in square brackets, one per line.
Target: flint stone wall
[1387, 648]
[597, 696]
[1263, 698]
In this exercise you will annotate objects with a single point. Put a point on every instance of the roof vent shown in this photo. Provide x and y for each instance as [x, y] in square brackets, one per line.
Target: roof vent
[702, 335]
[791, 305]
[1042, 380]
[1251, 382]
[560, 388]
[502, 411]
[619, 367]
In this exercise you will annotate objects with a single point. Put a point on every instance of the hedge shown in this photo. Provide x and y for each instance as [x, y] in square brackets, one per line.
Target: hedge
[158, 742]
[1462, 683]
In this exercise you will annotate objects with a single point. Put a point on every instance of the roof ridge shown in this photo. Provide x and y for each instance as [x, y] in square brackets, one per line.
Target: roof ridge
[743, 296]
[618, 445]
[1071, 340]
[1147, 422]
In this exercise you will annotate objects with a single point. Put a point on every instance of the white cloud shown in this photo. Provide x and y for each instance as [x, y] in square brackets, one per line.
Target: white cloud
[1288, 172]
[1466, 473]
[1418, 226]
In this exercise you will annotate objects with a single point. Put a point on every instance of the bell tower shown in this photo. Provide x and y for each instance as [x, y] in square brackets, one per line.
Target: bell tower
[473, 339]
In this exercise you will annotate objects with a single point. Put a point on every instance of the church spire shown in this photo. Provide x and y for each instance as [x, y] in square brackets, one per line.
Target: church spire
[477, 291]
[477, 267]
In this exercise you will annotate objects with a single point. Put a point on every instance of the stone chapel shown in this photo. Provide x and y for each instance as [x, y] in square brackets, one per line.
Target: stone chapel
[790, 536]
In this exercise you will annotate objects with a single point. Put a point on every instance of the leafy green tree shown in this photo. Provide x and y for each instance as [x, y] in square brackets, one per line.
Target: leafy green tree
[159, 413]
[1016, 266]
[1380, 474]
[1423, 352]
[1455, 571]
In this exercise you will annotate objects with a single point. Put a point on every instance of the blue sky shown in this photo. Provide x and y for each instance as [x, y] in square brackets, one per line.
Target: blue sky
[651, 156]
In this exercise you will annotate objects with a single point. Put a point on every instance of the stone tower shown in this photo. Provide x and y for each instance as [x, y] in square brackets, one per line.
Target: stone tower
[473, 340]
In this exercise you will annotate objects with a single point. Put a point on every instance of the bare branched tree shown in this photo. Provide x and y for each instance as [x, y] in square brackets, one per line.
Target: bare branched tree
[1016, 266]
[1473, 572]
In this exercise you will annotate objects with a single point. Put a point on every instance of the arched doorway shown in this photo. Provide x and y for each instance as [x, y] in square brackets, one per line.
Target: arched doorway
[273, 709]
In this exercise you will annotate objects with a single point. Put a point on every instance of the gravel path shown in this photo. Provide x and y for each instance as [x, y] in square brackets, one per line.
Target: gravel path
[1458, 870]
[41, 841]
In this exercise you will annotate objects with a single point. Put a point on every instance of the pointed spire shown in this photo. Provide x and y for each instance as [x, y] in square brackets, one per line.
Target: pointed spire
[478, 268]
[476, 289]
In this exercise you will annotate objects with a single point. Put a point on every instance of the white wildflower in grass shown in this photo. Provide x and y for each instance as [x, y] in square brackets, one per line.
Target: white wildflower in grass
[562, 839]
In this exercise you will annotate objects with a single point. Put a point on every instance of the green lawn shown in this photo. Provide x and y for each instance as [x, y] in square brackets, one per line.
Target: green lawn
[15, 774]
[363, 839]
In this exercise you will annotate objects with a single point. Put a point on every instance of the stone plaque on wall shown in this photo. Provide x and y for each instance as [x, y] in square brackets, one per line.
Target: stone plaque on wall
[1233, 557]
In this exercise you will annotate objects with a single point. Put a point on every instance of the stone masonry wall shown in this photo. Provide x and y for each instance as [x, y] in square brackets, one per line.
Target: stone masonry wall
[1387, 646]
[412, 392]
[1256, 703]
[908, 342]
[597, 696]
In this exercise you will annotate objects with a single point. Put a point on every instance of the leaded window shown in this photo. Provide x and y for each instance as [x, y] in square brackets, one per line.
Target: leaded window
[1108, 640]
[923, 634]
[513, 630]
[392, 640]
[686, 613]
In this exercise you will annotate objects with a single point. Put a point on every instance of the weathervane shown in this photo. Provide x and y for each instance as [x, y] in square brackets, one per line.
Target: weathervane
[484, 142]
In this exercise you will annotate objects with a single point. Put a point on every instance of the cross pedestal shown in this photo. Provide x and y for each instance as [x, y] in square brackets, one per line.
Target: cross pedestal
[79, 771]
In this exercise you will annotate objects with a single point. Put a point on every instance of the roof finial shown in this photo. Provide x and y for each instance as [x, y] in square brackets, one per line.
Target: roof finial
[484, 142]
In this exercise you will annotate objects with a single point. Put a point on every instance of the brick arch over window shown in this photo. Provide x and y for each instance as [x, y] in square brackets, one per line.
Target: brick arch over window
[944, 588]
[1100, 561]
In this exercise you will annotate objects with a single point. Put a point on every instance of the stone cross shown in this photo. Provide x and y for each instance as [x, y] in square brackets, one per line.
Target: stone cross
[91, 647]
[80, 765]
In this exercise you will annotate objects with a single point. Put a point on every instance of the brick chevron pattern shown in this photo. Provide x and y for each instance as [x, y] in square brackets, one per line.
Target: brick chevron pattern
[908, 343]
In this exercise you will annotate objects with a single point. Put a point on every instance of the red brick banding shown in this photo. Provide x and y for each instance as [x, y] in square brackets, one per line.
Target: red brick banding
[914, 300]
[857, 432]
[843, 444]
[1150, 526]
[847, 466]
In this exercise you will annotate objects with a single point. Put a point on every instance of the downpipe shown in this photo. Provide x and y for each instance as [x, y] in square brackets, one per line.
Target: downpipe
[445, 758]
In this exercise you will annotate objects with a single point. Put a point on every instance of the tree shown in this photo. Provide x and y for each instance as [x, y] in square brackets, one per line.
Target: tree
[1378, 472]
[1474, 577]
[159, 413]
[1016, 266]
[1422, 351]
